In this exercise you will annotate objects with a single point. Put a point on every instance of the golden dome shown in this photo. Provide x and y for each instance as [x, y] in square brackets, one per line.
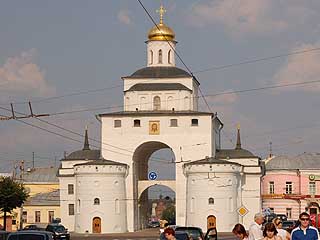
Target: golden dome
[161, 32]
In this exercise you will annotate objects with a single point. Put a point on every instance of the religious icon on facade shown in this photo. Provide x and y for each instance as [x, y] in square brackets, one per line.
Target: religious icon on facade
[154, 127]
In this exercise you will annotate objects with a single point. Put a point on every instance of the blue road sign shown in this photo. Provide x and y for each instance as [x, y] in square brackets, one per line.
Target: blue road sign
[152, 175]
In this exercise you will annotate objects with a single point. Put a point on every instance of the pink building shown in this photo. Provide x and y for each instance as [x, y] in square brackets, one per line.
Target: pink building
[291, 184]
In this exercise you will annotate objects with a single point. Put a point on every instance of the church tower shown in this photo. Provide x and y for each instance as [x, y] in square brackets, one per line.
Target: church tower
[161, 85]
[160, 112]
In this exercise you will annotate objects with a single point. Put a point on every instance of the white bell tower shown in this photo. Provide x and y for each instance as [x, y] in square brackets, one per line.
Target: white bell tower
[161, 44]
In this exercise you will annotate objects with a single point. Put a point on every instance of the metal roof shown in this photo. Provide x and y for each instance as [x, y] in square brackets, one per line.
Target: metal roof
[234, 154]
[212, 160]
[303, 161]
[44, 199]
[83, 155]
[44, 175]
[101, 162]
[158, 87]
[155, 113]
[160, 72]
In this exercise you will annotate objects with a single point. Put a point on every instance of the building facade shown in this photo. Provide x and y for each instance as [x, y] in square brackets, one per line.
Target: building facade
[291, 184]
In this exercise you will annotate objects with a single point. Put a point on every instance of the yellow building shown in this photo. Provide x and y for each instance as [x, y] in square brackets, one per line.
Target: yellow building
[44, 202]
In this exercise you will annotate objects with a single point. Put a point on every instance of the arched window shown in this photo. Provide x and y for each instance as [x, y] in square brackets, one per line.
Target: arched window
[211, 201]
[117, 206]
[96, 201]
[160, 56]
[192, 204]
[169, 56]
[156, 103]
[151, 57]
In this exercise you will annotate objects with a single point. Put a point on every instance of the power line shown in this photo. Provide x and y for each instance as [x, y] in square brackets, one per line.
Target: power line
[206, 95]
[257, 60]
[72, 139]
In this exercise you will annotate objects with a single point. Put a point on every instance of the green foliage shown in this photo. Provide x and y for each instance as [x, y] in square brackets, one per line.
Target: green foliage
[12, 194]
[169, 214]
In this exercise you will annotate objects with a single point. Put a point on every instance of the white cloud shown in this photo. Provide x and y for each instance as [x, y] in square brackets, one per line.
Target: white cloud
[300, 68]
[252, 16]
[20, 74]
[124, 17]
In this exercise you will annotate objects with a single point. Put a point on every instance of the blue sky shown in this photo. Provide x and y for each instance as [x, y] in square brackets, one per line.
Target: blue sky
[54, 48]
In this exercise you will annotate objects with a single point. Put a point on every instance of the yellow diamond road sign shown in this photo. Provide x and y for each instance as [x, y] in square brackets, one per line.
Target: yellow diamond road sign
[242, 211]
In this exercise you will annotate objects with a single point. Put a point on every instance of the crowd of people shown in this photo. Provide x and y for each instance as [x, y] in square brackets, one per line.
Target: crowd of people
[273, 230]
[269, 231]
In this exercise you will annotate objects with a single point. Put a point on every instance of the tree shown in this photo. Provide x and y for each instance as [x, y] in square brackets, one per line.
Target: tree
[169, 214]
[12, 195]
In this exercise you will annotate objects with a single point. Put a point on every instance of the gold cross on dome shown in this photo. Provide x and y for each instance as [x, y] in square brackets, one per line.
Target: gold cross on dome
[238, 126]
[161, 11]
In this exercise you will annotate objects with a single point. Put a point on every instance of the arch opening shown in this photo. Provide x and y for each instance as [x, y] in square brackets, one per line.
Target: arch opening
[158, 158]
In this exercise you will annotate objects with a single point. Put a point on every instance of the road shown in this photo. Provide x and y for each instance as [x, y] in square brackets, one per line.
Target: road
[147, 234]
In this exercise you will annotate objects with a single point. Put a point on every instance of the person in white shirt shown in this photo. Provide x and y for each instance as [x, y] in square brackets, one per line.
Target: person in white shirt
[255, 229]
[281, 232]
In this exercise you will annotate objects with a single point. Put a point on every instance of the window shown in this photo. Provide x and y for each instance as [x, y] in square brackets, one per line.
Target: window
[117, 206]
[96, 201]
[169, 56]
[173, 122]
[271, 187]
[24, 216]
[288, 187]
[71, 209]
[192, 203]
[151, 57]
[289, 213]
[156, 103]
[312, 188]
[70, 189]
[50, 216]
[117, 123]
[211, 201]
[160, 56]
[194, 122]
[136, 123]
[37, 216]
[79, 205]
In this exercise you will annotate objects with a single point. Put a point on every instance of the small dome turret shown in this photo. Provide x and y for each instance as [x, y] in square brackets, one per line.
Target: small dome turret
[161, 32]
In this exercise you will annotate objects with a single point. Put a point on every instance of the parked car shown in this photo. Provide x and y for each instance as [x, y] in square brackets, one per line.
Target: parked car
[58, 231]
[288, 225]
[211, 234]
[194, 233]
[181, 235]
[33, 227]
[283, 217]
[30, 235]
[178, 235]
[154, 224]
[3, 235]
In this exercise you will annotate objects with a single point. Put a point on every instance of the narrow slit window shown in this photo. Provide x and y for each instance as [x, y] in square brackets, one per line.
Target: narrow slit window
[160, 56]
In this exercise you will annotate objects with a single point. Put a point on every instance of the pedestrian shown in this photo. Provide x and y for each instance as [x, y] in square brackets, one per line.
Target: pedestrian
[255, 229]
[304, 230]
[281, 232]
[240, 232]
[169, 234]
[270, 232]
